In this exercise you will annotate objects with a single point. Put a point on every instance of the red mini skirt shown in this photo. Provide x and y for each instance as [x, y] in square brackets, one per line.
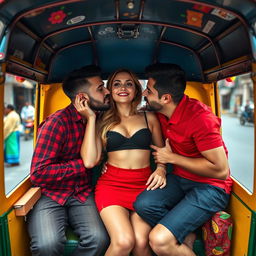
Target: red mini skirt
[118, 186]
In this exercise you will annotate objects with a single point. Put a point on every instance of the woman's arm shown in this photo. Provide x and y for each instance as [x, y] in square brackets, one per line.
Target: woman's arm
[91, 146]
[158, 178]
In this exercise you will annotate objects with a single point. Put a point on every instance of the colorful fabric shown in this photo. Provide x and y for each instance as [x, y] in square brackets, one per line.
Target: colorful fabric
[57, 166]
[217, 233]
[193, 128]
[11, 123]
[12, 148]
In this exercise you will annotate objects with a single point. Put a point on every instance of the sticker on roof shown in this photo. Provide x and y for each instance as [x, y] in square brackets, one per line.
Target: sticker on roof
[194, 18]
[106, 30]
[57, 17]
[76, 20]
[202, 8]
[222, 14]
[208, 26]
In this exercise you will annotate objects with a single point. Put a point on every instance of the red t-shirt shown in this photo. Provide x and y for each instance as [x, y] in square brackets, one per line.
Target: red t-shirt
[193, 128]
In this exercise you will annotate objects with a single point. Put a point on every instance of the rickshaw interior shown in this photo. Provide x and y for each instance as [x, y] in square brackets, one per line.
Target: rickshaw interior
[42, 41]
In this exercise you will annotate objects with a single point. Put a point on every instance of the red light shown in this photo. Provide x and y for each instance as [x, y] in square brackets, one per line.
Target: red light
[19, 79]
[1, 55]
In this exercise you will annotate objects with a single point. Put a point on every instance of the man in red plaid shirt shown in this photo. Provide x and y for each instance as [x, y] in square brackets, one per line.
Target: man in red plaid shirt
[58, 169]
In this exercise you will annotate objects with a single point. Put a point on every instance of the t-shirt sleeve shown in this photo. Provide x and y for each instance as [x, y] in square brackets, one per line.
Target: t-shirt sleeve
[206, 131]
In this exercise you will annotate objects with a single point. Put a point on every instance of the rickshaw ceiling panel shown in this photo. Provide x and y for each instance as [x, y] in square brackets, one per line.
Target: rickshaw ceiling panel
[64, 35]
[184, 38]
[183, 58]
[81, 55]
[60, 40]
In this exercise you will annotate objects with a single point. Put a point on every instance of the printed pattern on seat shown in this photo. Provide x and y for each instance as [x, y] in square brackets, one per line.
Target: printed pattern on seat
[217, 233]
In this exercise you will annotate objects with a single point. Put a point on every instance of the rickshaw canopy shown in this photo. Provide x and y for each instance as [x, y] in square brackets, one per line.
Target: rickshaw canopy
[45, 39]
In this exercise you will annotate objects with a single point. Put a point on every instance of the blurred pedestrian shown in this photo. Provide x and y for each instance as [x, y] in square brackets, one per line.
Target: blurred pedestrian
[11, 136]
[27, 112]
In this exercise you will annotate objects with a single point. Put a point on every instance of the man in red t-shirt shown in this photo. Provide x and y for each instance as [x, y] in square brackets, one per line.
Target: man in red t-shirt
[200, 183]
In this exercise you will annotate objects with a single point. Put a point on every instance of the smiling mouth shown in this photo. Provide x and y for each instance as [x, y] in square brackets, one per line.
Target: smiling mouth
[122, 94]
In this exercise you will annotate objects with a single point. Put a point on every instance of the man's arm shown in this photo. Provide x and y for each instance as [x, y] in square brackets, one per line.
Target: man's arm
[213, 164]
[47, 168]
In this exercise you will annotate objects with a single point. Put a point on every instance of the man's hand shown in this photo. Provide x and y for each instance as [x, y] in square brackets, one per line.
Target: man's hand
[81, 105]
[162, 155]
[157, 179]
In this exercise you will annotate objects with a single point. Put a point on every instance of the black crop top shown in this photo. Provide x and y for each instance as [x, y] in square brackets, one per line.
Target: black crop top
[139, 140]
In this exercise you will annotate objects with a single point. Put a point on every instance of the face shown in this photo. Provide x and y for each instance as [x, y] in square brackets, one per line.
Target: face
[98, 94]
[123, 88]
[151, 96]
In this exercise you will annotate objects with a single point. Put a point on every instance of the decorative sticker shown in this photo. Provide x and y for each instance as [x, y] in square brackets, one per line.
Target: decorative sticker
[230, 82]
[131, 15]
[222, 14]
[18, 54]
[208, 26]
[194, 18]
[34, 13]
[202, 8]
[107, 30]
[75, 20]
[57, 17]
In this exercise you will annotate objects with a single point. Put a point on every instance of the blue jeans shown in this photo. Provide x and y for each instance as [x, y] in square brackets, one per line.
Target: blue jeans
[47, 224]
[182, 206]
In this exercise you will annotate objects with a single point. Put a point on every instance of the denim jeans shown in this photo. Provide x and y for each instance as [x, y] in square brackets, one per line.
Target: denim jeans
[47, 224]
[182, 206]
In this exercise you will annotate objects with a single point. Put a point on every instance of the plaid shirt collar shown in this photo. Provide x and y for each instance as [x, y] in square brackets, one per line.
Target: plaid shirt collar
[75, 115]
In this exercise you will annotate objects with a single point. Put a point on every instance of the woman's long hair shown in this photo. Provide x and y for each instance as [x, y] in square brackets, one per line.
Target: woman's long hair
[111, 117]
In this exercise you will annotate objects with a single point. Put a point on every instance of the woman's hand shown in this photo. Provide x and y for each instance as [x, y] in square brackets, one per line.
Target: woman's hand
[81, 105]
[104, 168]
[157, 179]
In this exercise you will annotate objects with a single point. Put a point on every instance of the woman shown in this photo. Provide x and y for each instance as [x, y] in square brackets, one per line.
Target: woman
[126, 135]
[11, 136]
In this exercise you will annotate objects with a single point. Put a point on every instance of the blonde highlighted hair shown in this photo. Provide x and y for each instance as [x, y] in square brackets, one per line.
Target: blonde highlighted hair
[111, 117]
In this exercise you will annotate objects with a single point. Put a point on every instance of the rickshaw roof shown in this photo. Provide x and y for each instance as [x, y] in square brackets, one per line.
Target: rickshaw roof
[44, 40]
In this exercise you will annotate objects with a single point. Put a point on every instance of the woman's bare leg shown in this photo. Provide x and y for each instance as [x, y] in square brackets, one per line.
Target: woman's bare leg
[118, 224]
[141, 231]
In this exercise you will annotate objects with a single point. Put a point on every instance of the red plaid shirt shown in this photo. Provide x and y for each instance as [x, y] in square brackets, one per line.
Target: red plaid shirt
[56, 165]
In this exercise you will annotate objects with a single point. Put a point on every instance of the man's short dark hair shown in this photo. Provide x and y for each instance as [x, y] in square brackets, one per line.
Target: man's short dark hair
[78, 78]
[170, 79]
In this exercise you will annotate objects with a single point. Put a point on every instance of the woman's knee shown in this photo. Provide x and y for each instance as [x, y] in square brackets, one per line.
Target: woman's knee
[142, 242]
[123, 243]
